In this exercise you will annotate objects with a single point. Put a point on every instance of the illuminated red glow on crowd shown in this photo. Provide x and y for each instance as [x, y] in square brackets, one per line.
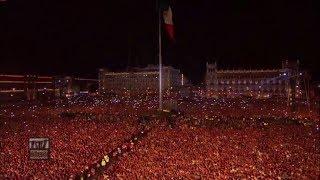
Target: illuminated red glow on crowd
[220, 138]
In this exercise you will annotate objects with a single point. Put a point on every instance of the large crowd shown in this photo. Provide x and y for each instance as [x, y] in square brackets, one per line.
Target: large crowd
[207, 138]
[75, 141]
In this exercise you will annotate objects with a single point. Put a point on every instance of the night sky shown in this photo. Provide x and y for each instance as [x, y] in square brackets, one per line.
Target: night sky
[79, 37]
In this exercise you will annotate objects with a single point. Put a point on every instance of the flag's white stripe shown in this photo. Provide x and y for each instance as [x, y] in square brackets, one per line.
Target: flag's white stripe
[167, 16]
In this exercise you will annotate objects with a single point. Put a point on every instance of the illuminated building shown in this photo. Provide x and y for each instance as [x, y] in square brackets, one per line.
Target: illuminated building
[34, 87]
[139, 80]
[28, 87]
[69, 86]
[258, 83]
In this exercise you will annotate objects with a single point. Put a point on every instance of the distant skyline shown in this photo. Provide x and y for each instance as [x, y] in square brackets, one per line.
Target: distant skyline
[78, 38]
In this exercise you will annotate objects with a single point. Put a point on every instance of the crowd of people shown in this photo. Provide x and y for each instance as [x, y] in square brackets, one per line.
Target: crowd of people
[75, 141]
[207, 138]
[192, 152]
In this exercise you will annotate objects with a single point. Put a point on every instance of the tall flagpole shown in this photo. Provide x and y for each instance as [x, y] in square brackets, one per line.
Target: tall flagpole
[160, 56]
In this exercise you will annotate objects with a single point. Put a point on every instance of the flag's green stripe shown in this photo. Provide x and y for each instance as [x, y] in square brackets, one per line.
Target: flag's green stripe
[164, 4]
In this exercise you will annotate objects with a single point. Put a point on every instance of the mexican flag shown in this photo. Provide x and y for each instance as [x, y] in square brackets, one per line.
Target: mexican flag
[167, 18]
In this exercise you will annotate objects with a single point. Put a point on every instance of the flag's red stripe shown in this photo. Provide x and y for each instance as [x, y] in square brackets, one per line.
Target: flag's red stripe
[170, 30]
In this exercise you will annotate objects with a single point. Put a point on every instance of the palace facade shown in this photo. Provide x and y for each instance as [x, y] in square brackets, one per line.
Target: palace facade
[139, 80]
[259, 83]
[26, 87]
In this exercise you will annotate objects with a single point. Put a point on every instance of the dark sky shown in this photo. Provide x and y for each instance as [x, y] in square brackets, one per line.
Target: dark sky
[78, 37]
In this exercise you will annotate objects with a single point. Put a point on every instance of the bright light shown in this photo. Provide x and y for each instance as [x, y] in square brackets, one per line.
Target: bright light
[182, 80]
